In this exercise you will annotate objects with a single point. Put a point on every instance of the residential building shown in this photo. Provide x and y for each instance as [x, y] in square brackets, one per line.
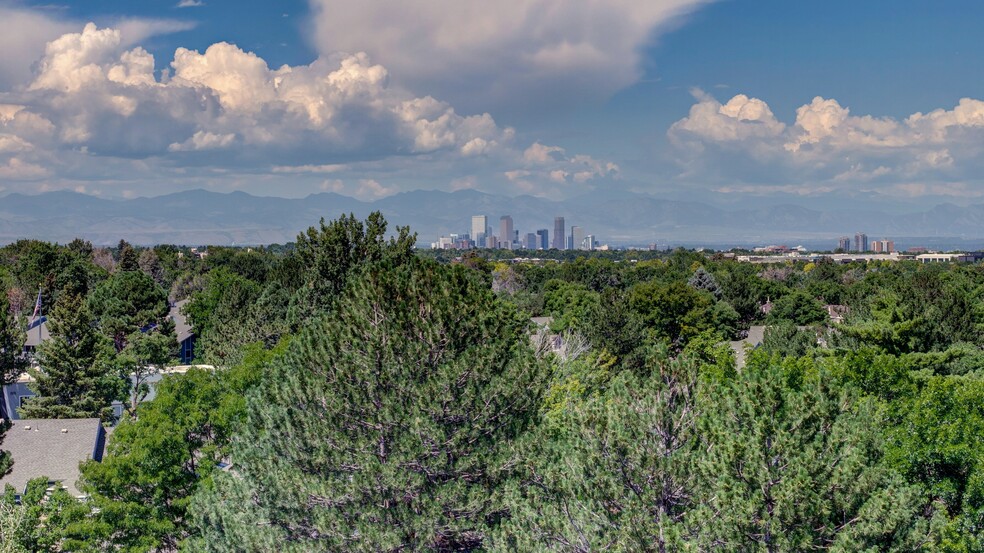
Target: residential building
[52, 448]
[543, 239]
[860, 242]
[883, 246]
[559, 234]
[844, 243]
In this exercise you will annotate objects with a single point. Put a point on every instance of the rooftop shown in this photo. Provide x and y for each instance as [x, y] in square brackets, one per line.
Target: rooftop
[52, 448]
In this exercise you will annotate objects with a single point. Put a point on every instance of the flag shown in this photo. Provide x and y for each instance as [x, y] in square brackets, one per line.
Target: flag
[37, 306]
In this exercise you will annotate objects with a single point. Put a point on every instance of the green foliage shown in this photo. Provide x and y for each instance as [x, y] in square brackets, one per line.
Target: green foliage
[792, 462]
[567, 303]
[332, 251]
[936, 441]
[674, 312]
[799, 308]
[387, 426]
[12, 363]
[126, 303]
[76, 376]
[787, 340]
[612, 472]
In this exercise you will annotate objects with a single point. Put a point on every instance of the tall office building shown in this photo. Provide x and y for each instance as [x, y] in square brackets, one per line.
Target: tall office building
[506, 232]
[861, 242]
[577, 238]
[559, 234]
[588, 243]
[543, 239]
[844, 243]
[480, 227]
[531, 241]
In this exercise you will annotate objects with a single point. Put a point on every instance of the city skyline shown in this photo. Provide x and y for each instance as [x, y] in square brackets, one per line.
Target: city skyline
[509, 238]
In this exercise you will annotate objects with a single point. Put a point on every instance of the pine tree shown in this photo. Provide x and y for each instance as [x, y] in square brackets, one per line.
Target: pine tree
[792, 462]
[128, 260]
[385, 427]
[614, 473]
[12, 361]
[75, 377]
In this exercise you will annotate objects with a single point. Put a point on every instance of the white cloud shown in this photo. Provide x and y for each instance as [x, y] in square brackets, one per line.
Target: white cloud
[25, 32]
[190, 4]
[481, 55]
[18, 169]
[202, 140]
[96, 109]
[742, 140]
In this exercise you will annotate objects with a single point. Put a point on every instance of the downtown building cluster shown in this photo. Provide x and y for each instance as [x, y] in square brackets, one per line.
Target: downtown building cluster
[507, 237]
[861, 244]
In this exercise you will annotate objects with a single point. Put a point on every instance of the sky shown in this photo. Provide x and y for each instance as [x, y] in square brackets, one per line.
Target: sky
[736, 102]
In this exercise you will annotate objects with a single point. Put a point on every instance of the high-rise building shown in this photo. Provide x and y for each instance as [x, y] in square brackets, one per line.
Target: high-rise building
[860, 242]
[577, 237]
[883, 246]
[559, 234]
[844, 243]
[505, 232]
[480, 227]
[588, 243]
[531, 241]
[543, 239]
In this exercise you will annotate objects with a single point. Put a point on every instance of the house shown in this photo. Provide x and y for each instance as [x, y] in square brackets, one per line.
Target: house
[836, 312]
[186, 337]
[37, 332]
[52, 448]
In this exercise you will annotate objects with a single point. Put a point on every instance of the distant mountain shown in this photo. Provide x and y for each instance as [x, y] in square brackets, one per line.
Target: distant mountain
[200, 217]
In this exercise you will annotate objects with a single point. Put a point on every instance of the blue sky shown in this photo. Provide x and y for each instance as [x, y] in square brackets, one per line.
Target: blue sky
[735, 101]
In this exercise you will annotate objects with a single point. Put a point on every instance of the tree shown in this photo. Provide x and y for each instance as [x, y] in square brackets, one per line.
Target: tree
[12, 361]
[386, 426]
[792, 462]
[332, 251]
[787, 340]
[126, 303]
[146, 354]
[128, 260]
[614, 471]
[76, 376]
[155, 463]
[935, 441]
[799, 308]
[5, 460]
[703, 280]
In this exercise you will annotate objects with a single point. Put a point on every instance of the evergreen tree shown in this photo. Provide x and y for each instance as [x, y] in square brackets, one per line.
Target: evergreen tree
[128, 260]
[333, 250]
[12, 361]
[5, 460]
[613, 473]
[385, 427]
[75, 377]
[126, 303]
[791, 462]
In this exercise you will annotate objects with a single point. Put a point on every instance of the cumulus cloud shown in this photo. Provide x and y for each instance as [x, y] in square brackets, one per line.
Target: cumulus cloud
[484, 55]
[96, 105]
[742, 140]
[190, 4]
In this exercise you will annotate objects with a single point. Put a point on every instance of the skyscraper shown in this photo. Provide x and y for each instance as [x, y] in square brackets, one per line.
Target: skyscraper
[543, 239]
[506, 232]
[559, 234]
[861, 242]
[480, 227]
[531, 241]
[844, 243]
[577, 238]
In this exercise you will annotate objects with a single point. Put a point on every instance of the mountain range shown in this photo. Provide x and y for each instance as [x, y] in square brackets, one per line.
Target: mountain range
[200, 217]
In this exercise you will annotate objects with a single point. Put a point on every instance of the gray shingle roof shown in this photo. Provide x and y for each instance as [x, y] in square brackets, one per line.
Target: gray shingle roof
[181, 326]
[39, 447]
